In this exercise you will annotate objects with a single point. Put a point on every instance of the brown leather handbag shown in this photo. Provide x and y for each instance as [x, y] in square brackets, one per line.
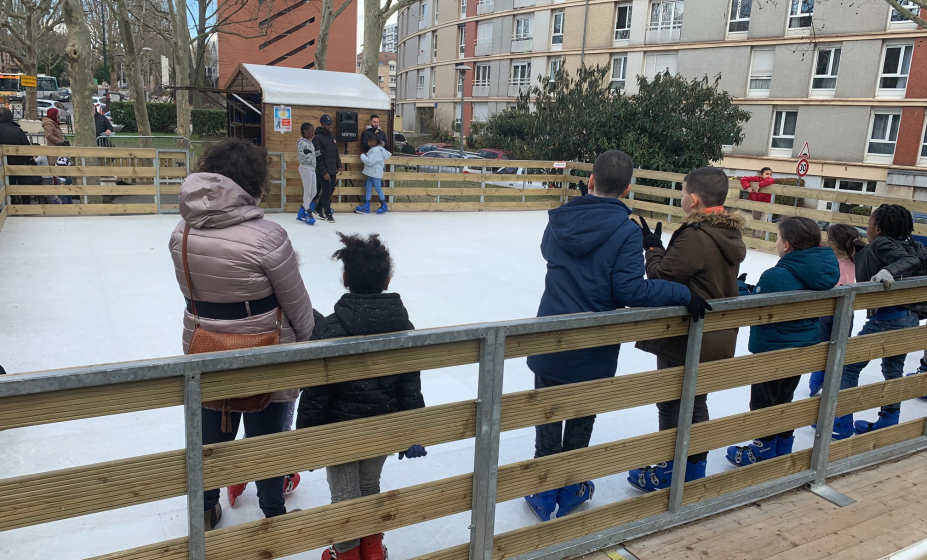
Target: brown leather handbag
[209, 341]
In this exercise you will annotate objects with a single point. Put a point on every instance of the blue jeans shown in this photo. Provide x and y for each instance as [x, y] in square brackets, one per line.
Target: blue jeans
[374, 183]
[892, 366]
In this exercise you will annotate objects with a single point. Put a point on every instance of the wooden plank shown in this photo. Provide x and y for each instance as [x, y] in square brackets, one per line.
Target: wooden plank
[875, 440]
[449, 162]
[80, 209]
[843, 196]
[893, 343]
[729, 430]
[88, 171]
[768, 314]
[297, 190]
[882, 393]
[77, 152]
[79, 190]
[875, 300]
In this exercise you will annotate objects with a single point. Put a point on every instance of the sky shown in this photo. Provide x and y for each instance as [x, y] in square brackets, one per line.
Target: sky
[360, 23]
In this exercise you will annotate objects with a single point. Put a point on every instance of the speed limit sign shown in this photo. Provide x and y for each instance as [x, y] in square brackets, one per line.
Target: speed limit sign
[802, 168]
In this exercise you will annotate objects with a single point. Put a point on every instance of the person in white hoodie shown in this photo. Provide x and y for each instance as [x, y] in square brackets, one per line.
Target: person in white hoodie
[306, 154]
[374, 164]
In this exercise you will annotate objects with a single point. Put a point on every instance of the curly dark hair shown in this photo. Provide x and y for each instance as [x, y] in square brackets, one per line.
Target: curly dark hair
[894, 221]
[241, 161]
[367, 264]
[801, 233]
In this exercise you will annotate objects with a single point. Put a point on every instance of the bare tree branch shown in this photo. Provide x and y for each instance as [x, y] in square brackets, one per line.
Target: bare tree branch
[908, 14]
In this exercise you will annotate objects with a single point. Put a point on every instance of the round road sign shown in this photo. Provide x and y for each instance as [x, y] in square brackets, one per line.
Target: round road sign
[802, 168]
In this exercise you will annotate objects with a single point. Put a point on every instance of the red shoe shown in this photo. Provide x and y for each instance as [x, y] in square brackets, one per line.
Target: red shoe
[290, 482]
[234, 491]
[332, 554]
[371, 548]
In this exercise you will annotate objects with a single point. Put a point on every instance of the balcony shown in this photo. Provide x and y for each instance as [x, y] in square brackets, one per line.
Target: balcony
[483, 48]
[522, 45]
[663, 35]
[480, 90]
[420, 92]
[516, 89]
[485, 7]
[422, 57]
[524, 3]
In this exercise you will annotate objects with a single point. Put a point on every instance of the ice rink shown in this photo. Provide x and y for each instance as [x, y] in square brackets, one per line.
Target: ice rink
[90, 290]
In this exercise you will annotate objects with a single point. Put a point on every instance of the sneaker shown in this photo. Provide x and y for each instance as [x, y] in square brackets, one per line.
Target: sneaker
[330, 218]
[211, 517]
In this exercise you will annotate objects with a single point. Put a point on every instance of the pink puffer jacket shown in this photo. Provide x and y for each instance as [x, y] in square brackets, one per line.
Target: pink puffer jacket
[235, 255]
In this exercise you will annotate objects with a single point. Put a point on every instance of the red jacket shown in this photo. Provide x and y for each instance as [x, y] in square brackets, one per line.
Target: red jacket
[757, 196]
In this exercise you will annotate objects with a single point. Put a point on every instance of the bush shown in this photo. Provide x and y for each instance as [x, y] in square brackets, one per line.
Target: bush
[208, 122]
[861, 211]
[162, 116]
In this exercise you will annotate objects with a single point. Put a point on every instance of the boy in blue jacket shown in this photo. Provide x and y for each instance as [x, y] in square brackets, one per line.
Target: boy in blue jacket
[803, 265]
[374, 164]
[595, 262]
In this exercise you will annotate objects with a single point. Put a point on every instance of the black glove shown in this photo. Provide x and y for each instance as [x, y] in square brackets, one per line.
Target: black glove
[651, 238]
[413, 452]
[306, 152]
[743, 288]
[697, 306]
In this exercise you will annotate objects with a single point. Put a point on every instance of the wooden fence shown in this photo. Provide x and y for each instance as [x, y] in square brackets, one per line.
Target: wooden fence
[63, 395]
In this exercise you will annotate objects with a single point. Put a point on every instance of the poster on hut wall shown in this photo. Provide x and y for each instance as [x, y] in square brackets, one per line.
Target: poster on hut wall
[283, 119]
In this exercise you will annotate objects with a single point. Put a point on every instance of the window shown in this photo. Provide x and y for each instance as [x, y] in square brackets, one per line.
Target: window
[463, 8]
[923, 160]
[761, 72]
[783, 134]
[424, 13]
[522, 28]
[460, 83]
[658, 63]
[436, 12]
[421, 82]
[848, 185]
[434, 47]
[800, 14]
[619, 72]
[623, 22]
[434, 82]
[521, 74]
[909, 5]
[825, 71]
[883, 136]
[481, 77]
[484, 38]
[665, 22]
[461, 41]
[484, 7]
[554, 68]
[740, 16]
[556, 34]
[896, 65]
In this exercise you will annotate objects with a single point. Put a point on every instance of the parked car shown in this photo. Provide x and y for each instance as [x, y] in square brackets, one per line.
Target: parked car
[920, 219]
[401, 145]
[64, 94]
[494, 153]
[425, 148]
[445, 154]
[45, 104]
[517, 184]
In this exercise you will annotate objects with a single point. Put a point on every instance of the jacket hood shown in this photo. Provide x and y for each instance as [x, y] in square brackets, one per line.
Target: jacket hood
[725, 230]
[210, 200]
[586, 222]
[323, 132]
[363, 314]
[817, 268]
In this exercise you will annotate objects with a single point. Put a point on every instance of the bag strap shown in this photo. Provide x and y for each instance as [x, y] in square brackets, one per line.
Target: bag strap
[186, 272]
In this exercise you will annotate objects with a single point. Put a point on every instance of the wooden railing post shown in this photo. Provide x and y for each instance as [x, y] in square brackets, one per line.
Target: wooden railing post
[686, 407]
[193, 431]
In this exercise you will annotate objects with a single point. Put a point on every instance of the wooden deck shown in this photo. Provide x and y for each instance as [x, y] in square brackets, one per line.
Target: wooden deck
[890, 514]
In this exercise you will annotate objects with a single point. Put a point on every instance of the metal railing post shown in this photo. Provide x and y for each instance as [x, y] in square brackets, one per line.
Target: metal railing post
[193, 431]
[486, 451]
[483, 186]
[83, 162]
[686, 407]
[833, 374]
[157, 180]
[283, 182]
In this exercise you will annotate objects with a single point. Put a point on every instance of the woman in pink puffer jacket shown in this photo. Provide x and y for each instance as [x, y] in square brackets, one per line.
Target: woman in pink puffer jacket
[242, 268]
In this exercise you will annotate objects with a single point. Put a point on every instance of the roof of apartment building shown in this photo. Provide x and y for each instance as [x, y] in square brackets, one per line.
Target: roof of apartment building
[385, 57]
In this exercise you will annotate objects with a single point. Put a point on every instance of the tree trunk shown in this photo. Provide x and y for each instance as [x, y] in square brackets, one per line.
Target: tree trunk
[80, 70]
[134, 75]
[181, 46]
[30, 68]
[321, 47]
[373, 38]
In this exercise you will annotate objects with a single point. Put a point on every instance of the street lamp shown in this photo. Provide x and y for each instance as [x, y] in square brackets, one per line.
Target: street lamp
[462, 68]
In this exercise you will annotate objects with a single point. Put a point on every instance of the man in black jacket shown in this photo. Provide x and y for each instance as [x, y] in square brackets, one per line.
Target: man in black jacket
[327, 167]
[104, 130]
[12, 134]
[372, 129]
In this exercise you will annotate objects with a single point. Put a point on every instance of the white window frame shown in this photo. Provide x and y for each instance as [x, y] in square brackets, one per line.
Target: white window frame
[479, 41]
[896, 92]
[894, 118]
[556, 37]
[481, 76]
[654, 56]
[825, 85]
[618, 81]
[800, 16]
[898, 21]
[782, 151]
[463, 9]
[434, 47]
[553, 66]
[485, 7]
[623, 34]
[460, 83]
[423, 11]
[922, 155]
[420, 85]
[663, 29]
[461, 41]
[522, 80]
[736, 18]
[436, 13]
[759, 92]
[434, 83]
[521, 29]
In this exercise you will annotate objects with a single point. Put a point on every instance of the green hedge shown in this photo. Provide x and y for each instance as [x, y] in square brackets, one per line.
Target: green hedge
[163, 118]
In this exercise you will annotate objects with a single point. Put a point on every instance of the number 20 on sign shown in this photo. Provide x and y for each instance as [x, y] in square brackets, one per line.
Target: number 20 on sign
[802, 168]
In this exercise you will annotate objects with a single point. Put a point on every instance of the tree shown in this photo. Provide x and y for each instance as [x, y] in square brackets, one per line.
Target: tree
[51, 54]
[325, 25]
[181, 65]
[912, 13]
[135, 74]
[374, 20]
[671, 124]
[80, 63]
[24, 25]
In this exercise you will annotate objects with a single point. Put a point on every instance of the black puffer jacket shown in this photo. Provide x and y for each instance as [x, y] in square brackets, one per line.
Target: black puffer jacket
[358, 315]
[367, 134]
[903, 259]
[329, 161]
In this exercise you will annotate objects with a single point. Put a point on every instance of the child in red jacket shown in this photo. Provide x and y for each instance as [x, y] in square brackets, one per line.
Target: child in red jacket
[763, 180]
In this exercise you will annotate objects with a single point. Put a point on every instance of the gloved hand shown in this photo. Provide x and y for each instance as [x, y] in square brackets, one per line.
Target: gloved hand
[885, 277]
[413, 452]
[742, 286]
[697, 306]
[651, 238]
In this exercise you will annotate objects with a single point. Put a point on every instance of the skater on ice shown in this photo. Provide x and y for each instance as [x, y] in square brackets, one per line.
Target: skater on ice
[374, 164]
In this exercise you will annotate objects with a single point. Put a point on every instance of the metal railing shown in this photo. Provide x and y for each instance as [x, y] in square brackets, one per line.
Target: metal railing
[51, 396]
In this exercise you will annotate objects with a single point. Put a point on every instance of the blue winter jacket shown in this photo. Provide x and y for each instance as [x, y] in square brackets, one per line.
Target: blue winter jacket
[811, 269]
[595, 262]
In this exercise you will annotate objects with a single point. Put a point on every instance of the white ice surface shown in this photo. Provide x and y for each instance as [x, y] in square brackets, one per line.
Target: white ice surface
[84, 290]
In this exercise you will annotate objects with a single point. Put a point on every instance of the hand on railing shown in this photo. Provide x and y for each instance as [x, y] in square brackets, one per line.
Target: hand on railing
[413, 452]
[697, 306]
[885, 277]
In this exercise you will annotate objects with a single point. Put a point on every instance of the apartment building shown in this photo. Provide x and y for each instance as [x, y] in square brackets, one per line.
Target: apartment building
[850, 81]
[386, 72]
[390, 38]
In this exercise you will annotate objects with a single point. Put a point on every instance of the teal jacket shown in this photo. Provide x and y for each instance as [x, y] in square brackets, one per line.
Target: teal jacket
[811, 269]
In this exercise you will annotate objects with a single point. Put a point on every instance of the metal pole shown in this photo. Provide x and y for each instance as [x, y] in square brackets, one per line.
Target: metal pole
[833, 374]
[283, 182]
[462, 74]
[686, 407]
[157, 180]
[582, 56]
[193, 430]
[486, 452]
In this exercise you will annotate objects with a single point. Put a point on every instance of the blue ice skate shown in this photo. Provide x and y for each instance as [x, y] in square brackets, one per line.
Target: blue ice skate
[571, 497]
[543, 504]
[759, 450]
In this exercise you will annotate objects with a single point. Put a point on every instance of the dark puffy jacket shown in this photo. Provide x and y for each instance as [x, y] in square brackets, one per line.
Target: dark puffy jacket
[595, 262]
[705, 255]
[12, 134]
[365, 138]
[358, 315]
[329, 161]
[812, 269]
[903, 259]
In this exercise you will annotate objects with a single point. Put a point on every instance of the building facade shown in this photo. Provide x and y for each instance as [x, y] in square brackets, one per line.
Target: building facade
[284, 34]
[850, 82]
[390, 38]
[386, 72]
